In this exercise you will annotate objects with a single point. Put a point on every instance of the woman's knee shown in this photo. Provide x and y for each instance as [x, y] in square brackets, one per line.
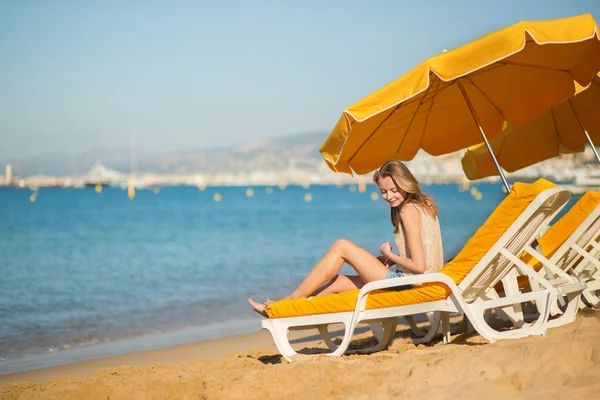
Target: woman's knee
[341, 245]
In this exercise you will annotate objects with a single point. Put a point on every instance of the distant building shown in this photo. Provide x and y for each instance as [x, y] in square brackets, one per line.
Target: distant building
[8, 174]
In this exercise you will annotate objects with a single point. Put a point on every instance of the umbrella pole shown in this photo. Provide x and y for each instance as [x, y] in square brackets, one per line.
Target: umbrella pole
[487, 144]
[589, 139]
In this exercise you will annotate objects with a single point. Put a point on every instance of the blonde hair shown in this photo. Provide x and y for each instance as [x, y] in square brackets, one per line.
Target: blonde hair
[405, 181]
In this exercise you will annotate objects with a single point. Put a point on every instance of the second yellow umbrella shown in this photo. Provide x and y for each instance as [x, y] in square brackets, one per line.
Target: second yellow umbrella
[565, 128]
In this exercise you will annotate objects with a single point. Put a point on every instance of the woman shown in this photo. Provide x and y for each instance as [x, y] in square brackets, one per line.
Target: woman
[417, 238]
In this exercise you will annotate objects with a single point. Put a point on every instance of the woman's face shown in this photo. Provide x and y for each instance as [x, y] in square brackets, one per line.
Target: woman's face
[390, 192]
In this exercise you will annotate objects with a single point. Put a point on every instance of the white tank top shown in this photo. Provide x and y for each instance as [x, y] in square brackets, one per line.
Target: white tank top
[431, 237]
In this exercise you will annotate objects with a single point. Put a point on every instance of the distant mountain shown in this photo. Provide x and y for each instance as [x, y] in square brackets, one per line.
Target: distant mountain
[298, 151]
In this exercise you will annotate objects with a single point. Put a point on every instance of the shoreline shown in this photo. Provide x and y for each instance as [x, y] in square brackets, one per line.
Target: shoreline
[205, 349]
[128, 345]
[209, 349]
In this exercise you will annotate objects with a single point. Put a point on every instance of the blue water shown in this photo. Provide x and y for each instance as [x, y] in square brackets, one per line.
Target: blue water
[89, 275]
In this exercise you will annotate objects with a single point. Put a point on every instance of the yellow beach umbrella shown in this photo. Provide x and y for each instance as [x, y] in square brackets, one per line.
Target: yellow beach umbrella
[565, 128]
[447, 102]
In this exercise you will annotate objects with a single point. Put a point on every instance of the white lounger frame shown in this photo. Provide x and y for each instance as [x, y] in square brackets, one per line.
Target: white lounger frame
[581, 249]
[470, 297]
[583, 245]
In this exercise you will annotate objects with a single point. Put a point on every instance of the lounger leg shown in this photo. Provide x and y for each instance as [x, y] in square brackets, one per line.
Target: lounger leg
[500, 313]
[535, 285]
[433, 328]
[464, 326]
[538, 327]
[348, 332]
[418, 332]
[326, 337]
[482, 327]
[389, 330]
[555, 308]
[511, 287]
[377, 330]
[590, 294]
[445, 326]
[475, 313]
[591, 297]
[569, 314]
[390, 325]
[506, 313]
[279, 334]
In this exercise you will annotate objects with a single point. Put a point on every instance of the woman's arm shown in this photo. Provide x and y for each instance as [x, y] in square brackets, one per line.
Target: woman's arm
[385, 261]
[412, 223]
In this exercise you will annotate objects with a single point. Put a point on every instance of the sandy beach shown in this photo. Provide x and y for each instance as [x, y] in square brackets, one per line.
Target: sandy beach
[565, 364]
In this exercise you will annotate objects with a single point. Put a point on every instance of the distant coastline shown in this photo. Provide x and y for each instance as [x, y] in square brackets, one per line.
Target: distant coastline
[293, 160]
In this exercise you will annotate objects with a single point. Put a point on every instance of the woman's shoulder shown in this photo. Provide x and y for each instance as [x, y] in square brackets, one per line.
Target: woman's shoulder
[422, 209]
[411, 207]
[410, 212]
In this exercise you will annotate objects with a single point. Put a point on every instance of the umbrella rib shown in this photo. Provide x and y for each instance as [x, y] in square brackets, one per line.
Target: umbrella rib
[500, 151]
[501, 147]
[373, 133]
[555, 124]
[486, 97]
[485, 70]
[437, 91]
[505, 133]
[497, 154]
[423, 101]
[386, 118]
[504, 63]
[431, 94]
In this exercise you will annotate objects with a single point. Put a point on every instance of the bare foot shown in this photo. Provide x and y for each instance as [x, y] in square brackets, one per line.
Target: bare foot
[258, 307]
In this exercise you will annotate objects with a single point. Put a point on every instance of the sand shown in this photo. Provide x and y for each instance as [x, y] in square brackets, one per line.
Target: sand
[564, 364]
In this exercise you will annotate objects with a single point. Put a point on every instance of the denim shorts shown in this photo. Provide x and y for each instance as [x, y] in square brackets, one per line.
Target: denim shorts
[394, 273]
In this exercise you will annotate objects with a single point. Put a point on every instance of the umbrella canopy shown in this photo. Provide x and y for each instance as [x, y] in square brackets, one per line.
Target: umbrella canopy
[444, 103]
[561, 129]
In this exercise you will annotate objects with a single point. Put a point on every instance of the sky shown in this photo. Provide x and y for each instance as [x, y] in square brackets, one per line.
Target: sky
[180, 75]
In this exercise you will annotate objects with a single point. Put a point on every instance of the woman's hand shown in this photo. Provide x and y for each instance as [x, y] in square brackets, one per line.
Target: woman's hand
[386, 250]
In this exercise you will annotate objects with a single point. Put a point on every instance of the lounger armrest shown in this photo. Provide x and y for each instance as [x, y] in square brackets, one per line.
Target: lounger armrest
[407, 280]
[361, 301]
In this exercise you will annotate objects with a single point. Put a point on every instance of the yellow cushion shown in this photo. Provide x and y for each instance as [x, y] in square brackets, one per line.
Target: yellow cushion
[559, 232]
[486, 236]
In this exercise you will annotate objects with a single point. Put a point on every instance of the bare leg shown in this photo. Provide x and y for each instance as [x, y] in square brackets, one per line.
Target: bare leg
[369, 268]
[340, 283]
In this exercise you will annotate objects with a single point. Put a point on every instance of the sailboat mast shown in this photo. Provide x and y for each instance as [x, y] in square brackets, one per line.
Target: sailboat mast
[130, 182]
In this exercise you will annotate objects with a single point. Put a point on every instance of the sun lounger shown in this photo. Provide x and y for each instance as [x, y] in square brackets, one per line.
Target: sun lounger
[569, 258]
[573, 244]
[461, 286]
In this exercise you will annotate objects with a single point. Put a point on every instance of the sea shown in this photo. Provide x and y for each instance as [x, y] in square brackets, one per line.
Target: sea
[87, 274]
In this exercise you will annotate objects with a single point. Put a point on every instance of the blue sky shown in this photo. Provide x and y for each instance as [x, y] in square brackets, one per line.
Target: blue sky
[193, 75]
